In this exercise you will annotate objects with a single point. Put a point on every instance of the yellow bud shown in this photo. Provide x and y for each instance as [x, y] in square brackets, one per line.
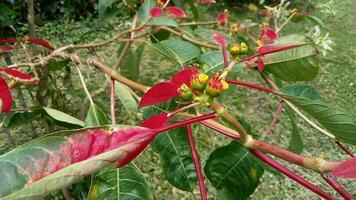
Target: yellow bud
[264, 25]
[252, 7]
[216, 86]
[199, 82]
[235, 49]
[185, 93]
[234, 28]
[243, 48]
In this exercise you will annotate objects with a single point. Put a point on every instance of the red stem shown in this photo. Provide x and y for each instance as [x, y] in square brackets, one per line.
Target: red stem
[196, 161]
[337, 186]
[186, 122]
[276, 116]
[225, 132]
[284, 170]
[251, 85]
[112, 102]
[226, 62]
[344, 148]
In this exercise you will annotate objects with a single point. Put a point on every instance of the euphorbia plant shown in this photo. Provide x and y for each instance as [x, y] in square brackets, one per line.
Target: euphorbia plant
[192, 94]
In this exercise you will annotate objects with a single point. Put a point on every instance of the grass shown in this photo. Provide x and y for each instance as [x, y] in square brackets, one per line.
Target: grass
[336, 82]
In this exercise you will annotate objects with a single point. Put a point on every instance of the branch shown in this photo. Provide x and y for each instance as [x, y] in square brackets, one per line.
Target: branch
[276, 116]
[337, 186]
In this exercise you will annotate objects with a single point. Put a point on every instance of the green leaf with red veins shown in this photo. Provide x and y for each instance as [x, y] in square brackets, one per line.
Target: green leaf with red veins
[176, 159]
[126, 183]
[58, 160]
[337, 122]
[233, 171]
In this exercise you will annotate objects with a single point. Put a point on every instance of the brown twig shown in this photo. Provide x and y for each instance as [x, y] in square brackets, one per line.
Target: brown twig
[345, 148]
[276, 116]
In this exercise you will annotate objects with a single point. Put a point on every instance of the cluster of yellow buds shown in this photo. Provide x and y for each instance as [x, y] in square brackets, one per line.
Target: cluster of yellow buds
[264, 25]
[161, 2]
[236, 49]
[203, 88]
[234, 28]
[259, 44]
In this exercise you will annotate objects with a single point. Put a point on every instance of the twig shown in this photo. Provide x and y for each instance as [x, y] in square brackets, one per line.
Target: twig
[337, 186]
[199, 23]
[344, 148]
[196, 161]
[112, 102]
[82, 79]
[276, 116]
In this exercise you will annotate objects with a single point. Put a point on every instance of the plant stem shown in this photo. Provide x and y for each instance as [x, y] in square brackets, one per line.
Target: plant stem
[344, 148]
[186, 122]
[112, 102]
[251, 85]
[199, 23]
[276, 116]
[196, 161]
[337, 186]
[83, 82]
[284, 170]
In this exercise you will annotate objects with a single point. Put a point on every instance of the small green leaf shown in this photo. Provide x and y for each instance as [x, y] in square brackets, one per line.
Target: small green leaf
[145, 10]
[63, 117]
[126, 183]
[126, 98]
[297, 64]
[296, 143]
[57, 65]
[233, 171]
[162, 21]
[103, 5]
[177, 164]
[21, 118]
[130, 66]
[341, 125]
[95, 117]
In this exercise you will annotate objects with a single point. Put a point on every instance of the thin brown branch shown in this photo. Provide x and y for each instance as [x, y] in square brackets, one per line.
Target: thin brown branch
[276, 116]
[345, 148]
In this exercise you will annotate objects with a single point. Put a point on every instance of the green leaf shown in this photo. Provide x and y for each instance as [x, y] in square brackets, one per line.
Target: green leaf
[130, 66]
[162, 21]
[57, 65]
[58, 160]
[144, 11]
[296, 143]
[126, 183]
[177, 164]
[63, 117]
[194, 9]
[297, 64]
[233, 171]
[21, 118]
[103, 6]
[95, 117]
[341, 125]
[177, 50]
[126, 98]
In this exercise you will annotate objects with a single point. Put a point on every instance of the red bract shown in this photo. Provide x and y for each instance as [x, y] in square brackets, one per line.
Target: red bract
[6, 48]
[157, 121]
[268, 34]
[220, 39]
[176, 11]
[346, 169]
[16, 73]
[165, 91]
[156, 12]
[8, 40]
[42, 43]
[223, 18]
[5, 96]
[260, 65]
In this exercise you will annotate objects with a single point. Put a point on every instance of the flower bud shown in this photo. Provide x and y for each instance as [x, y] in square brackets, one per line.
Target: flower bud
[216, 86]
[185, 93]
[235, 49]
[243, 48]
[199, 82]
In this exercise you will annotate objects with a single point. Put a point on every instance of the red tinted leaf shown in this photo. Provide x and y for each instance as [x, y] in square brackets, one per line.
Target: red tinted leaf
[346, 169]
[222, 19]
[273, 48]
[156, 12]
[42, 43]
[5, 96]
[157, 121]
[269, 34]
[8, 40]
[159, 93]
[265, 12]
[6, 48]
[260, 65]
[16, 73]
[184, 76]
[176, 11]
[220, 39]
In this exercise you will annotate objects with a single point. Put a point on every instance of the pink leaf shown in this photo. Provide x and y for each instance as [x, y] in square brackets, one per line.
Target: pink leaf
[220, 39]
[5, 96]
[156, 12]
[42, 43]
[184, 76]
[8, 40]
[6, 48]
[260, 65]
[346, 169]
[159, 93]
[223, 19]
[176, 11]
[16, 73]
[269, 34]
[157, 121]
